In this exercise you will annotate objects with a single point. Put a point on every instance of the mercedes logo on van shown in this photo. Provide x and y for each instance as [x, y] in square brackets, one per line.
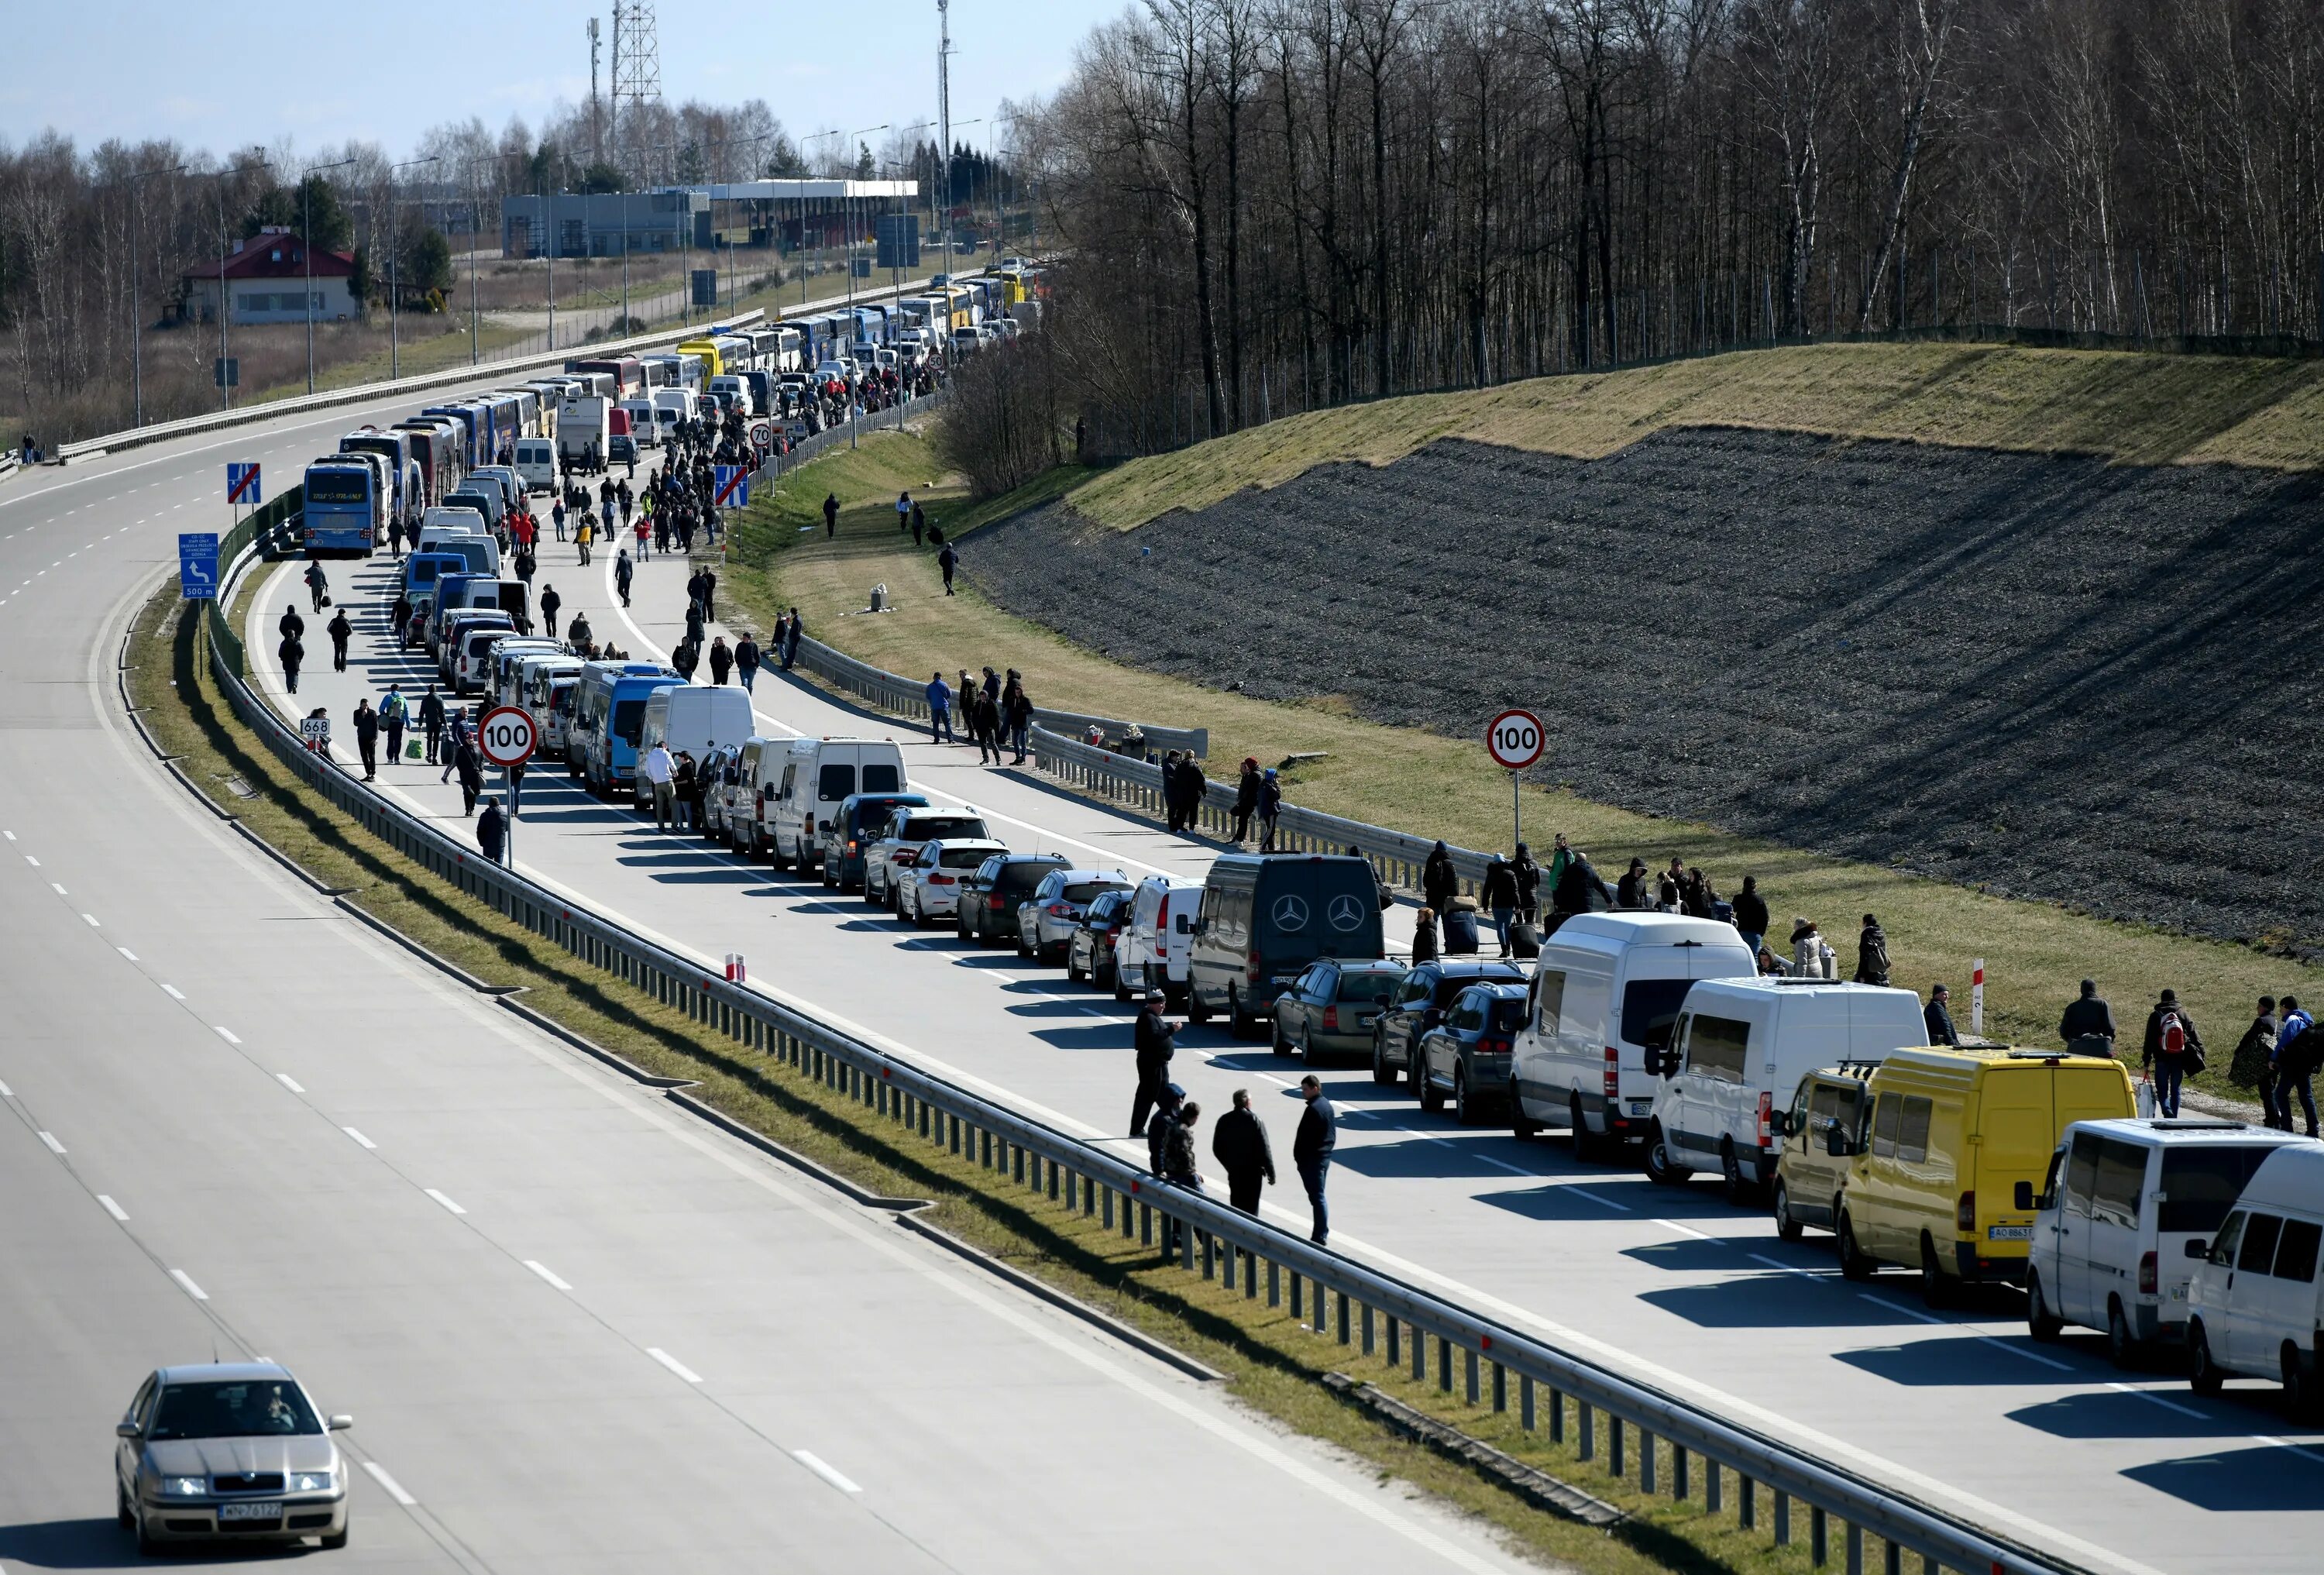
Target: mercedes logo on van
[1345, 913]
[1290, 913]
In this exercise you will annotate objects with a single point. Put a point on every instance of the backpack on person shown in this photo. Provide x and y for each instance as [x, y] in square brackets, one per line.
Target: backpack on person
[2173, 1037]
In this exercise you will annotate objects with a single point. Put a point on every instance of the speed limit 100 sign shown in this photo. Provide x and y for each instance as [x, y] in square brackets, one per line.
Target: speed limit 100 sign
[1516, 739]
[506, 736]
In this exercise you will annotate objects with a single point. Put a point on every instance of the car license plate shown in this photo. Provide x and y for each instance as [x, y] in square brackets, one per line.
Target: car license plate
[2178, 1293]
[2009, 1233]
[1640, 1107]
[270, 1510]
[1363, 1022]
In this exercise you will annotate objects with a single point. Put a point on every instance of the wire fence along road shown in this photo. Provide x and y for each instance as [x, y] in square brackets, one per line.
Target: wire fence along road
[1388, 1317]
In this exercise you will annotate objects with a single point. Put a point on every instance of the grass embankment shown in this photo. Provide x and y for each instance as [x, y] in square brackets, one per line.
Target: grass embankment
[2133, 409]
[1270, 1361]
[1429, 785]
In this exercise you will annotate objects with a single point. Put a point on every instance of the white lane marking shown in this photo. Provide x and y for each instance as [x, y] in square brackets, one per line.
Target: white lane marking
[1594, 1197]
[6, 1092]
[1684, 1229]
[821, 1468]
[1505, 1164]
[1092, 1011]
[92, 921]
[2277, 1443]
[2151, 1398]
[225, 1033]
[175, 993]
[440, 1198]
[191, 1289]
[113, 1208]
[127, 953]
[673, 1364]
[57, 889]
[359, 1137]
[1789, 1268]
[1003, 979]
[394, 1489]
[1993, 1340]
[51, 1139]
[289, 1082]
[542, 1270]
[9, 835]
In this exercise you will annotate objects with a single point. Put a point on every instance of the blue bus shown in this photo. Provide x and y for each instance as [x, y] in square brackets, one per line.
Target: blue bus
[343, 509]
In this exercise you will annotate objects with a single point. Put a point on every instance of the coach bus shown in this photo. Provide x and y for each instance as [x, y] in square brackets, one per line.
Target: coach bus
[345, 508]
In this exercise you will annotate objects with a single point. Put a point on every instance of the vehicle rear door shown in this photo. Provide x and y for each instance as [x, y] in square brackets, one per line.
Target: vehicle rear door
[2286, 1313]
[2241, 1342]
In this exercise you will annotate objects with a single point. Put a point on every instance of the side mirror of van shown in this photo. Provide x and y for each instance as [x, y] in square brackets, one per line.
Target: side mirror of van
[2197, 1247]
[1654, 1061]
[1779, 1123]
[2022, 1197]
[1835, 1142]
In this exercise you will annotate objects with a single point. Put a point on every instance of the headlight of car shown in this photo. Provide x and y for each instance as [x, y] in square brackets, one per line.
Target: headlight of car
[184, 1487]
[310, 1482]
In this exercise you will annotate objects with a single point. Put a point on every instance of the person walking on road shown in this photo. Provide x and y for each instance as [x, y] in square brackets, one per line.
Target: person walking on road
[1271, 808]
[471, 767]
[341, 631]
[393, 716]
[1751, 914]
[1871, 952]
[791, 639]
[1938, 1018]
[290, 624]
[2253, 1061]
[492, 833]
[398, 619]
[940, 710]
[431, 722]
[1153, 1038]
[1439, 881]
[2299, 1050]
[557, 518]
[622, 569]
[985, 723]
[458, 734]
[1239, 1142]
[746, 661]
[2086, 1025]
[1311, 1151]
[722, 660]
[366, 722]
[317, 587]
[291, 653]
[1498, 895]
[585, 534]
[1528, 876]
[549, 603]
[831, 515]
[2173, 1050]
[903, 512]
[947, 560]
[661, 779]
[1017, 716]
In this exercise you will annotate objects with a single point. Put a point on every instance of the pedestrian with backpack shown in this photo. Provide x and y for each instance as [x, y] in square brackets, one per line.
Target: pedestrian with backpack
[2173, 1052]
[392, 717]
[2299, 1050]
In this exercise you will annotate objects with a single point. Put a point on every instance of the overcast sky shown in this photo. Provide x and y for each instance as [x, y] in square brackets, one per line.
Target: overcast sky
[258, 70]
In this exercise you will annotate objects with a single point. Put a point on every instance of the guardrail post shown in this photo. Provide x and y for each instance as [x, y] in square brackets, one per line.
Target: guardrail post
[1443, 1365]
[1298, 1294]
[1500, 1389]
[1783, 1518]
[1469, 1361]
[1419, 1355]
[1746, 1502]
[1616, 1437]
[1395, 1342]
[1273, 1284]
[1019, 1162]
[954, 1123]
[1056, 1186]
[1646, 1463]
[1525, 1402]
[1818, 1535]
[1678, 1473]
[1711, 1489]
[1589, 1430]
[1226, 1265]
[1106, 1200]
[1855, 1549]
[1186, 1241]
[1892, 1561]
[1368, 1328]
[1317, 1286]
[1145, 1224]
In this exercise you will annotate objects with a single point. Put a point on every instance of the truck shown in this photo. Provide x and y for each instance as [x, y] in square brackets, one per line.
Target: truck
[584, 429]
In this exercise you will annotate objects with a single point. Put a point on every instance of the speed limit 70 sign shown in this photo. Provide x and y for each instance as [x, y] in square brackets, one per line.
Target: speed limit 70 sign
[1516, 739]
[506, 736]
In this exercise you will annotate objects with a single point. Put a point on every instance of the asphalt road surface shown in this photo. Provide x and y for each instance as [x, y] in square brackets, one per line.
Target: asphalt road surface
[2122, 1472]
[577, 1329]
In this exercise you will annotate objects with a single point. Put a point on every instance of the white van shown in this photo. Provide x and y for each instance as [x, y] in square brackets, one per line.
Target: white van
[1155, 944]
[800, 788]
[641, 421]
[536, 463]
[671, 406]
[1736, 1054]
[750, 771]
[2256, 1306]
[692, 717]
[2121, 1205]
[1608, 987]
[506, 684]
[536, 680]
[728, 384]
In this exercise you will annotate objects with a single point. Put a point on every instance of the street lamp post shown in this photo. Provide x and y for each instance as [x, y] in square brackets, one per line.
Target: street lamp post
[846, 207]
[548, 249]
[394, 364]
[136, 311]
[974, 120]
[307, 253]
[476, 234]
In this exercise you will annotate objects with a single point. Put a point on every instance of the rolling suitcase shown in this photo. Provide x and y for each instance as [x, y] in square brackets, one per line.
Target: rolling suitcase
[1525, 941]
[1459, 926]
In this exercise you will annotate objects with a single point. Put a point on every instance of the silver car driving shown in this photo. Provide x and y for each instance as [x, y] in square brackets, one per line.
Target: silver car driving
[233, 1451]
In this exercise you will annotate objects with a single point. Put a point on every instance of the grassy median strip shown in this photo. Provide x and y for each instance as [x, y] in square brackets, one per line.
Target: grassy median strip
[1271, 1361]
[1429, 785]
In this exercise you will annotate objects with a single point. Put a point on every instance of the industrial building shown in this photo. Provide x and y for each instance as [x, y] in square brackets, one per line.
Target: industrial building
[790, 215]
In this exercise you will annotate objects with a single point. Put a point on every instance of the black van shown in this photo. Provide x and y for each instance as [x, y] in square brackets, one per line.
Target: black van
[1264, 917]
[852, 827]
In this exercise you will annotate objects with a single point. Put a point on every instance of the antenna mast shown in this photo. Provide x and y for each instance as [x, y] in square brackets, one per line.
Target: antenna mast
[596, 109]
[944, 126]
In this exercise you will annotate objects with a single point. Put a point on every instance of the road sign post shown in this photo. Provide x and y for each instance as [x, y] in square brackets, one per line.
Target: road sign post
[1516, 739]
[197, 565]
[730, 486]
[241, 488]
[506, 737]
[1977, 999]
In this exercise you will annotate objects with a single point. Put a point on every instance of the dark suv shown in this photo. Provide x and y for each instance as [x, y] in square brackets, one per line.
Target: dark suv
[1420, 1004]
[852, 828]
[989, 898]
[1471, 1053]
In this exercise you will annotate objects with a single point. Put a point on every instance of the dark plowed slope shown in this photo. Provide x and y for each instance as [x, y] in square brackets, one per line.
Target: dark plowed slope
[2093, 685]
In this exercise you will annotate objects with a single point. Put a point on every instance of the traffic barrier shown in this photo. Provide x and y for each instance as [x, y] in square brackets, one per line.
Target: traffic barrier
[1214, 1239]
[8, 463]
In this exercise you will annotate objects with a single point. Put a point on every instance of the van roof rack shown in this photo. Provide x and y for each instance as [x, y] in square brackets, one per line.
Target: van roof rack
[2196, 1124]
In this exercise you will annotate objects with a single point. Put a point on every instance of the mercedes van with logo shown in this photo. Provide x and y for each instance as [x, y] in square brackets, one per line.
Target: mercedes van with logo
[1264, 917]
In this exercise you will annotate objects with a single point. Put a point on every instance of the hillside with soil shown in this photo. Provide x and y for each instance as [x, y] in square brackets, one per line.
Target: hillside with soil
[2051, 677]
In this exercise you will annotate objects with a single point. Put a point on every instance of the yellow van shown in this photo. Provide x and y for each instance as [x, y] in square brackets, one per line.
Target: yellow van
[1932, 1175]
[703, 351]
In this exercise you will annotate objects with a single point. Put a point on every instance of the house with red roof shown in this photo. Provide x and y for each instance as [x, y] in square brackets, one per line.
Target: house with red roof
[265, 281]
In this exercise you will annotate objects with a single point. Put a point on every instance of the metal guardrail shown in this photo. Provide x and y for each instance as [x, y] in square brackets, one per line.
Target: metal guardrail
[8, 463]
[1334, 1293]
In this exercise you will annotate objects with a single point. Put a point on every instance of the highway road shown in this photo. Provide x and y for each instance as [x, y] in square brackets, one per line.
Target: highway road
[577, 1329]
[2126, 1472]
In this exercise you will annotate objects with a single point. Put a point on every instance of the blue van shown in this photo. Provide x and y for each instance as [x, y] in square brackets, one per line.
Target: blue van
[613, 748]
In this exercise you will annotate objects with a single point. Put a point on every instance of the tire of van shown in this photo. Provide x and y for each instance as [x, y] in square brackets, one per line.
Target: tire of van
[1587, 1144]
[2122, 1348]
[1853, 1264]
[1661, 1169]
[2040, 1323]
[2298, 1386]
[1522, 1127]
[1731, 1175]
[1120, 986]
[1240, 1024]
[1787, 1227]
[775, 853]
[1197, 1010]
[1936, 1290]
[2203, 1374]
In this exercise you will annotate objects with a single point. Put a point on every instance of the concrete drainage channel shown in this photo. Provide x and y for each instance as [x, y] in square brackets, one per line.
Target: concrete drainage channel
[1607, 1415]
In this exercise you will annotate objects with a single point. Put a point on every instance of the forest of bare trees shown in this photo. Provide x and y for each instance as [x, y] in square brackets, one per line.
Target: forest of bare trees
[1270, 205]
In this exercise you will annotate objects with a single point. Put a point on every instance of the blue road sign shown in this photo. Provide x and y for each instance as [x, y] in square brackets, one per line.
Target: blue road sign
[197, 565]
[242, 483]
[731, 486]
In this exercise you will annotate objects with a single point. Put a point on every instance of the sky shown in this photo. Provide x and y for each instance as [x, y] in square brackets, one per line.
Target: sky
[261, 70]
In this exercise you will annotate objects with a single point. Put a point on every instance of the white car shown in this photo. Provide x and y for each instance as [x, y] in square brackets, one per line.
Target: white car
[1154, 947]
[908, 828]
[930, 889]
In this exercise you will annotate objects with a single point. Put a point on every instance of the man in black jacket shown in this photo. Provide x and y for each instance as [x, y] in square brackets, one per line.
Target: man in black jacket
[1498, 895]
[1871, 952]
[550, 602]
[1152, 1036]
[1239, 1142]
[1439, 881]
[1938, 1018]
[1311, 1151]
[431, 722]
[366, 722]
[1751, 914]
[1579, 890]
[2088, 1018]
[2173, 1050]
